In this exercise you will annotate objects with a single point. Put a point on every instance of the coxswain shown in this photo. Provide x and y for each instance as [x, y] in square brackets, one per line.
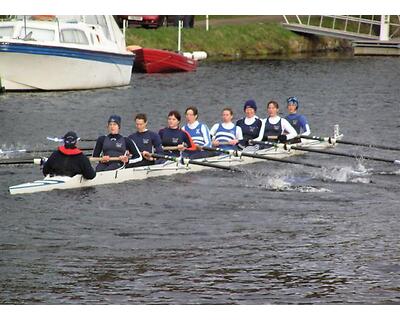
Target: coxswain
[250, 124]
[199, 133]
[68, 160]
[174, 139]
[115, 145]
[298, 121]
[274, 128]
[226, 135]
[147, 142]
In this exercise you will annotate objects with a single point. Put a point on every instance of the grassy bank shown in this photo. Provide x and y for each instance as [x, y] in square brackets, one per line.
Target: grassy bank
[233, 41]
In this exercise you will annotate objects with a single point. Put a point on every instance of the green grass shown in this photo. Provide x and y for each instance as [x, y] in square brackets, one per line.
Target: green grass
[256, 39]
[203, 17]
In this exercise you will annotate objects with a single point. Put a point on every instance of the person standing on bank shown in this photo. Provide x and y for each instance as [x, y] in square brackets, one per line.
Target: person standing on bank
[147, 142]
[274, 128]
[115, 145]
[298, 121]
[250, 124]
[68, 160]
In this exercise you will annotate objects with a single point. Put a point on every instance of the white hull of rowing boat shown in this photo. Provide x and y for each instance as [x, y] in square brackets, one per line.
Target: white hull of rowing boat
[165, 169]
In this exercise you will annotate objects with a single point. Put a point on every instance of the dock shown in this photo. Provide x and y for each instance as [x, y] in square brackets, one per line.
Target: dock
[376, 47]
[369, 35]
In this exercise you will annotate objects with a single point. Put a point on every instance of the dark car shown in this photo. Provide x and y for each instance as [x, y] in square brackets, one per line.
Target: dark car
[155, 21]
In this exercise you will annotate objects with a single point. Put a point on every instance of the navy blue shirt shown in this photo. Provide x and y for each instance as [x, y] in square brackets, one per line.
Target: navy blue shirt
[173, 137]
[147, 141]
[115, 145]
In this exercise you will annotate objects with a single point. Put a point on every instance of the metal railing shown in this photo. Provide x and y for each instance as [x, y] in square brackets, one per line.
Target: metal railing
[366, 25]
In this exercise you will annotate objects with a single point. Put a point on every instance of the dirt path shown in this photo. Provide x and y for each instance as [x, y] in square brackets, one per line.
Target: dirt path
[239, 20]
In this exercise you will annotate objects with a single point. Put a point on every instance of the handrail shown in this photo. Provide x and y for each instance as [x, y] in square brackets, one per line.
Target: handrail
[346, 19]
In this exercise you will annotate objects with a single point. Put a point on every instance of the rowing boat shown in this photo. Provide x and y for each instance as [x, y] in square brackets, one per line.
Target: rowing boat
[168, 168]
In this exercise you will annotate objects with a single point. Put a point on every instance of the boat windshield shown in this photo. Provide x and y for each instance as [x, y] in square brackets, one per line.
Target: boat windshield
[6, 32]
[29, 33]
[73, 36]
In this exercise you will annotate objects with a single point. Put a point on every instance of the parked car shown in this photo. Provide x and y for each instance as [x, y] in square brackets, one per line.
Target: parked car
[155, 21]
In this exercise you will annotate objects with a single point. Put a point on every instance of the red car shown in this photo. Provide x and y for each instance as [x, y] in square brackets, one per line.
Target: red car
[156, 21]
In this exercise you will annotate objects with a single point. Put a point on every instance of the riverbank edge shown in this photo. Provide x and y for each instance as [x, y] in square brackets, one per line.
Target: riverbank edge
[232, 42]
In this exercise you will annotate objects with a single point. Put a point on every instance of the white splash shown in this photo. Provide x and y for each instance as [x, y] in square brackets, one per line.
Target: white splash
[360, 174]
[282, 181]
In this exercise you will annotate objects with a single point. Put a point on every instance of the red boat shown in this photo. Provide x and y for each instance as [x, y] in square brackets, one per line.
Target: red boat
[161, 61]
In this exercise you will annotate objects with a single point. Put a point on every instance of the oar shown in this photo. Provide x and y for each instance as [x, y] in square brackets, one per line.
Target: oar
[259, 156]
[23, 161]
[42, 160]
[199, 163]
[342, 154]
[353, 143]
[98, 159]
[57, 139]
[35, 151]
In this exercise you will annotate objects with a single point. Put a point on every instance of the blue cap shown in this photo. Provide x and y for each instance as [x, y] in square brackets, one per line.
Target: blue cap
[250, 104]
[116, 119]
[293, 100]
[70, 139]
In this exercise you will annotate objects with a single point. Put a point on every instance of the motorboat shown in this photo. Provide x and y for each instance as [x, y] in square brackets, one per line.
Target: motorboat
[44, 52]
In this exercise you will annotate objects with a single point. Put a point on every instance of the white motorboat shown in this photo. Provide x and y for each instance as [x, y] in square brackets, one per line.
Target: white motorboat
[165, 169]
[63, 53]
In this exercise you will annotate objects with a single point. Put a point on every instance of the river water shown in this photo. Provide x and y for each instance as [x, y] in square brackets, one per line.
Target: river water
[276, 234]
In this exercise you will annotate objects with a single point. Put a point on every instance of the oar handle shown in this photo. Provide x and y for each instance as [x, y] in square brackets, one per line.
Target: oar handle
[171, 148]
[98, 159]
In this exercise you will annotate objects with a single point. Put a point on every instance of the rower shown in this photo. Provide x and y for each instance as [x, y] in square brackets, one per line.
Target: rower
[298, 121]
[250, 124]
[173, 139]
[115, 145]
[147, 142]
[199, 133]
[68, 160]
[226, 135]
[274, 128]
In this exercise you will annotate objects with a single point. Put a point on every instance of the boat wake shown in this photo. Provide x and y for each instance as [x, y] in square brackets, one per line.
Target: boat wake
[360, 174]
[387, 173]
[283, 181]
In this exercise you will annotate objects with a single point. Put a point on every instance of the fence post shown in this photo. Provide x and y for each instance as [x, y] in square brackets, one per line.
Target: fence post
[384, 34]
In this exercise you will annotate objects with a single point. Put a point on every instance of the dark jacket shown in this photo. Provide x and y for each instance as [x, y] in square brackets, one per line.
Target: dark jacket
[68, 162]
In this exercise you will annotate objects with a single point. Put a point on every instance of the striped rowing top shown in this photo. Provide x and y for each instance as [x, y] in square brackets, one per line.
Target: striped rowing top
[199, 133]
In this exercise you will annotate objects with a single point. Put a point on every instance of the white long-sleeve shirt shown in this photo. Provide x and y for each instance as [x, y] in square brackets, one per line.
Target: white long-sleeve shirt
[286, 127]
